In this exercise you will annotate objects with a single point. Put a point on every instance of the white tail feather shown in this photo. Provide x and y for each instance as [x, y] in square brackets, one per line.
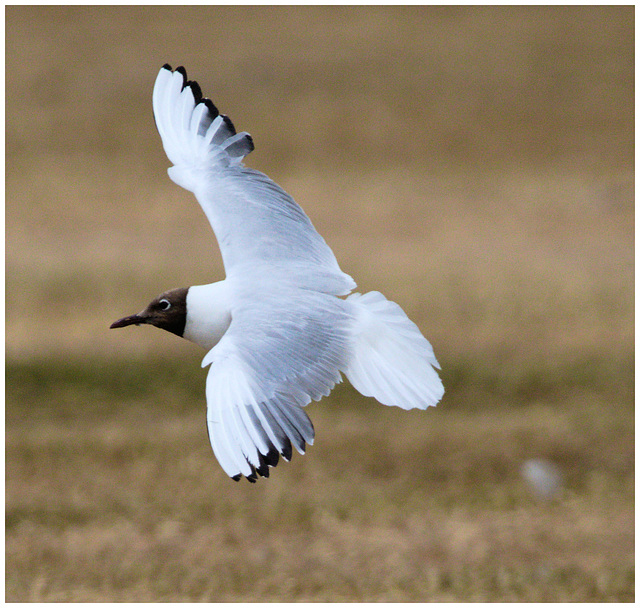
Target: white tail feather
[391, 361]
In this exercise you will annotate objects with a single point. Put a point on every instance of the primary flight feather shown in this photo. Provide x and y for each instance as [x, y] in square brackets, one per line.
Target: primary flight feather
[277, 333]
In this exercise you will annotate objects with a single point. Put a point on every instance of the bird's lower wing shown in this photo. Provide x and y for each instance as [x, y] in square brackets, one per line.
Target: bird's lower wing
[278, 354]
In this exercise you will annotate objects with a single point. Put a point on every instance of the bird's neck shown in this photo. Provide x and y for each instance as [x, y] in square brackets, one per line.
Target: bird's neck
[208, 314]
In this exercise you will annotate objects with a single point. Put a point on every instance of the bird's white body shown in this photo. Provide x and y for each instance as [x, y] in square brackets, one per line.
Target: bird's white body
[277, 330]
[208, 314]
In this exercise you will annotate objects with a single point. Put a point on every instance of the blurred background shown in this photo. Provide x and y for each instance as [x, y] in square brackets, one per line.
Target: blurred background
[473, 164]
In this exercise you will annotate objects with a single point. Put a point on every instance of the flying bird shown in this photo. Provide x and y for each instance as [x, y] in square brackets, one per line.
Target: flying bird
[278, 330]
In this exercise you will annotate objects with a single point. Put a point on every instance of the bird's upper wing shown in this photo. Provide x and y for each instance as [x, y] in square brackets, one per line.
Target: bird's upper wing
[272, 361]
[259, 227]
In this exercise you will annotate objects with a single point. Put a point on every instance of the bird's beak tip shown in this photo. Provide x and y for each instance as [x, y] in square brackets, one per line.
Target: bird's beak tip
[125, 321]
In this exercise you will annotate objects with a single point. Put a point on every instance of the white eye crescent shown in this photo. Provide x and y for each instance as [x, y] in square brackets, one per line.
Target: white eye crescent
[164, 304]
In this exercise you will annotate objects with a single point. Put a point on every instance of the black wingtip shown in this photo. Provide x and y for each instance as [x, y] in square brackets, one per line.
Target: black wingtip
[237, 477]
[182, 71]
[213, 111]
[227, 121]
[287, 451]
[196, 90]
[263, 467]
[166, 66]
[252, 146]
[272, 457]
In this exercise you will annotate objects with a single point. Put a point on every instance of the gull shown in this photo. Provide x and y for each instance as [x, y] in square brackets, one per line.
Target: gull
[278, 331]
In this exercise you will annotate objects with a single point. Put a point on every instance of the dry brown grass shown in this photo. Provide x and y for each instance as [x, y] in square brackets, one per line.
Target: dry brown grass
[127, 503]
[474, 164]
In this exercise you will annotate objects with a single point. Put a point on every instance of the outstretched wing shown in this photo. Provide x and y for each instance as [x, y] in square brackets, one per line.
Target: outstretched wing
[259, 227]
[265, 369]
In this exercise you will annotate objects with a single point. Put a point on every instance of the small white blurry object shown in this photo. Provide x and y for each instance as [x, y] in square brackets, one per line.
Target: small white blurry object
[544, 477]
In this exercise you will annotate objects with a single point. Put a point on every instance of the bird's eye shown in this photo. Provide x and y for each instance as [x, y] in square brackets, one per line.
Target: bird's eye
[164, 304]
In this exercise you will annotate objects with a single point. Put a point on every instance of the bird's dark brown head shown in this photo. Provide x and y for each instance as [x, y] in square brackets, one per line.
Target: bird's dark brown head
[168, 311]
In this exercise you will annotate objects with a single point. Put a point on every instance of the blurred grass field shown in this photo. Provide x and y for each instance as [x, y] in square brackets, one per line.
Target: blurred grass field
[473, 164]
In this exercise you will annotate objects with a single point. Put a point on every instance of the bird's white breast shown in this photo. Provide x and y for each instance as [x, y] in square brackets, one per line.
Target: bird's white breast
[208, 314]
